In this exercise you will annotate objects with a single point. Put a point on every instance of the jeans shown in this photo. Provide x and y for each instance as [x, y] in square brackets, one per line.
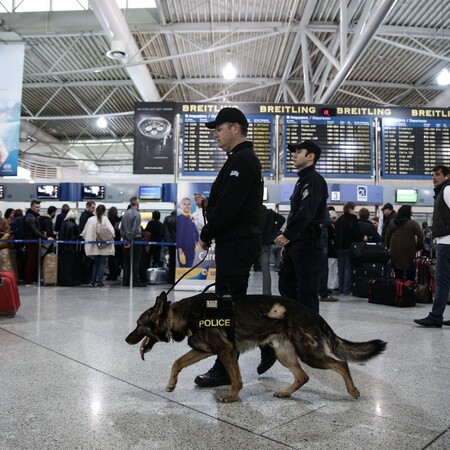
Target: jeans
[98, 269]
[345, 271]
[442, 281]
[264, 261]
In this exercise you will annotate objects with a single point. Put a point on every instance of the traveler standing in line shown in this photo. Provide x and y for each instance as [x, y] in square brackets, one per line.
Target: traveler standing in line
[271, 223]
[388, 215]
[169, 234]
[46, 221]
[130, 230]
[367, 227]
[99, 252]
[232, 212]
[404, 238]
[440, 227]
[347, 231]
[115, 261]
[302, 238]
[32, 231]
[87, 262]
[154, 227]
[60, 217]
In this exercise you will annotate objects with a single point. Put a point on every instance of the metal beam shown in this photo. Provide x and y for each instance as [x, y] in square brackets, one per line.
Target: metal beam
[382, 9]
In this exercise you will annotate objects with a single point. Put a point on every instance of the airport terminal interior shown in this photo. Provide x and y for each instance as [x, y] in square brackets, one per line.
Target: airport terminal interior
[106, 100]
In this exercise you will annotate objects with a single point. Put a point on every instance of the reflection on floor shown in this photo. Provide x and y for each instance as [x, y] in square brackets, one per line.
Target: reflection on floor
[68, 380]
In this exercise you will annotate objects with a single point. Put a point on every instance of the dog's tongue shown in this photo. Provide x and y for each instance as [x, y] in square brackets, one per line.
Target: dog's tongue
[142, 349]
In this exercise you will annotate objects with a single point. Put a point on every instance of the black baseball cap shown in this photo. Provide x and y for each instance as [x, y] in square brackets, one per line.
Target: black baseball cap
[308, 145]
[232, 115]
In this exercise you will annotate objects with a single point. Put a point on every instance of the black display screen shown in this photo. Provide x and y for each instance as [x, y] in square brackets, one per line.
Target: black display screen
[412, 147]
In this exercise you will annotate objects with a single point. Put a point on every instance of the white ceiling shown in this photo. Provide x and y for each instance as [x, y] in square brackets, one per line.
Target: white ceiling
[380, 52]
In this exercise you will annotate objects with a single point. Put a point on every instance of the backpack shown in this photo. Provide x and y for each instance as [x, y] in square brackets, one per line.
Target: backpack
[103, 233]
[17, 227]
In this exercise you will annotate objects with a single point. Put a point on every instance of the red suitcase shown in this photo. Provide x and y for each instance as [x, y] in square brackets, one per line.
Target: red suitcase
[9, 294]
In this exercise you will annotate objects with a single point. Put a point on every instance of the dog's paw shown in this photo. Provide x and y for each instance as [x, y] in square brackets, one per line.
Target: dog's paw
[227, 398]
[354, 393]
[281, 394]
[169, 388]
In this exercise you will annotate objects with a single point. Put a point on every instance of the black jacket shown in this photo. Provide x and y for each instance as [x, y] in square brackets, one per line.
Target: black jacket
[46, 225]
[368, 228]
[31, 226]
[308, 206]
[169, 228]
[386, 221]
[85, 215]
[155, 228]
[236, 197]
[347, 231]
[271, 223]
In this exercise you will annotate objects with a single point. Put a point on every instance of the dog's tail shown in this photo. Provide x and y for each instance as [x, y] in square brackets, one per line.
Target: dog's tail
[356, 351]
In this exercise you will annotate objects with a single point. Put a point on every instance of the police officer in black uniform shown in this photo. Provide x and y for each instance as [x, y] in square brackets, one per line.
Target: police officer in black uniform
[302, 237]
[232, 211]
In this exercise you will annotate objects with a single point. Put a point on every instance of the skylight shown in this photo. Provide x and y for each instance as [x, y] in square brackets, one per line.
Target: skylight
[65, 5]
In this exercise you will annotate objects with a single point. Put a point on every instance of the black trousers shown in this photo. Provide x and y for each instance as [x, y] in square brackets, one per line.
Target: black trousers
[300, 271]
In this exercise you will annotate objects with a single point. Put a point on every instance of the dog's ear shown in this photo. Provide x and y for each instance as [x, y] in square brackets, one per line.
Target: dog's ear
[161, 301]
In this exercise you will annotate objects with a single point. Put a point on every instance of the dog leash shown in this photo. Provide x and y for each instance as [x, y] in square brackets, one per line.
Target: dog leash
[200, 262]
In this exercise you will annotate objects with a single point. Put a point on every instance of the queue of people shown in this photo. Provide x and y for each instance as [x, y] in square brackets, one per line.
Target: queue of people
[81, 263]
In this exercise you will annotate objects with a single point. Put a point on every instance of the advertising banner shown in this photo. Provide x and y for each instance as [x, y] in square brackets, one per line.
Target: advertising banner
[11, 57]
[190, 221]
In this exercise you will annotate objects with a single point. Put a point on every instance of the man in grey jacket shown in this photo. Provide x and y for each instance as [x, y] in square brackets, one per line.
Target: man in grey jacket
[130, 230]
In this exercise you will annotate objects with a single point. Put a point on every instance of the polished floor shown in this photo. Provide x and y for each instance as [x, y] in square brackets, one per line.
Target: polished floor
[68, 380]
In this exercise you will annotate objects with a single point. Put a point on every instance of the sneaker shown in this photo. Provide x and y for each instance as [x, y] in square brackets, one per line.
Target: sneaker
[330, 298]
[429, 322]
[212, 378]
[268, 359]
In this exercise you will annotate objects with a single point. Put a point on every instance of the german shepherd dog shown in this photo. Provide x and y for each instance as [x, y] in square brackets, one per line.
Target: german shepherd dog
[295, 333]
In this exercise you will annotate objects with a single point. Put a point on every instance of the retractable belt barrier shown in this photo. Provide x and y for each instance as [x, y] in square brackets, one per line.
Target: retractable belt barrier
[57, 242]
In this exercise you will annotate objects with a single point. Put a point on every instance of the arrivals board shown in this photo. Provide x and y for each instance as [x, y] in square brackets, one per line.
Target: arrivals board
[412, 147]
[201, 154]
[346, 144]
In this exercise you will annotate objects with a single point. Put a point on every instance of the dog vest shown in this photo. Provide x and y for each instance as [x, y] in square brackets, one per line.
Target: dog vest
[217, 313]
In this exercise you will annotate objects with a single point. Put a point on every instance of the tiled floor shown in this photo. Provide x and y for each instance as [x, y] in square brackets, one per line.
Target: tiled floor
[68, 380]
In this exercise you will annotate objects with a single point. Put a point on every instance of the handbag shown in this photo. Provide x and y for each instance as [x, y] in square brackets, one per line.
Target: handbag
[374, 252]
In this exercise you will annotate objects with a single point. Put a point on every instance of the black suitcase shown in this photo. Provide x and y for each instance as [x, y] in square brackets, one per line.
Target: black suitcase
[392, 292]
[362, 274]
[70, 267]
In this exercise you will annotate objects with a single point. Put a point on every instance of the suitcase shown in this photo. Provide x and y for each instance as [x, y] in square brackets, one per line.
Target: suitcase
[392, 292]
[362, 274]
[9, 294]
[158, 275]
[424, 280]
[361, 252]
[50, 269]
[8, 261]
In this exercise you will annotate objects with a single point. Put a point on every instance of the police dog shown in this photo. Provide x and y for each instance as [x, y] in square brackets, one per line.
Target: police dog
[295, 333]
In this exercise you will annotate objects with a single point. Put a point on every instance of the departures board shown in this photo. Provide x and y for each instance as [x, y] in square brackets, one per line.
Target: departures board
[412, 147]
[201, 154]
[346, 144]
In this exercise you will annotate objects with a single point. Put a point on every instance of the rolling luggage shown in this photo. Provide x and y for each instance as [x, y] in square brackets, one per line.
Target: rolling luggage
[362, 274]
[392, 292]
[8, 261]
[9, 294]
[50, 269]
[361, 252]
[158, 275]
[424, 280]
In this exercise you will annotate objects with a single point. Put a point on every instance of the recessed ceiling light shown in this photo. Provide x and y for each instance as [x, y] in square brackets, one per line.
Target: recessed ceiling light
[444, 77]
[102, 122]
[229, 72]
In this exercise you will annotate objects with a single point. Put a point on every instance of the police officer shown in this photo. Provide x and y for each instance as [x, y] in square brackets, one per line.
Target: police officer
[232, 211]
[302, 238]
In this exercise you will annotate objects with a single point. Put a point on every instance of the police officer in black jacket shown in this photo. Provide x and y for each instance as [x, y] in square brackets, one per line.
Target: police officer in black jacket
[302, 238]
[233, 215]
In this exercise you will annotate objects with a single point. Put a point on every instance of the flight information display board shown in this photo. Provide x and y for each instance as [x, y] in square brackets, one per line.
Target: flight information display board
[202, 156]
[412, 147]
[346, 144]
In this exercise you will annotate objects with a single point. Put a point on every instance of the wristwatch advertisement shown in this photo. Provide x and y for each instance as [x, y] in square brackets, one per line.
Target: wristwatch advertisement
[153, 141]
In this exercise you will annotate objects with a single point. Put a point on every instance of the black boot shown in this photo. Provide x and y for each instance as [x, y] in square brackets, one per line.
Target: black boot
[268, 359]
[216, 376]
